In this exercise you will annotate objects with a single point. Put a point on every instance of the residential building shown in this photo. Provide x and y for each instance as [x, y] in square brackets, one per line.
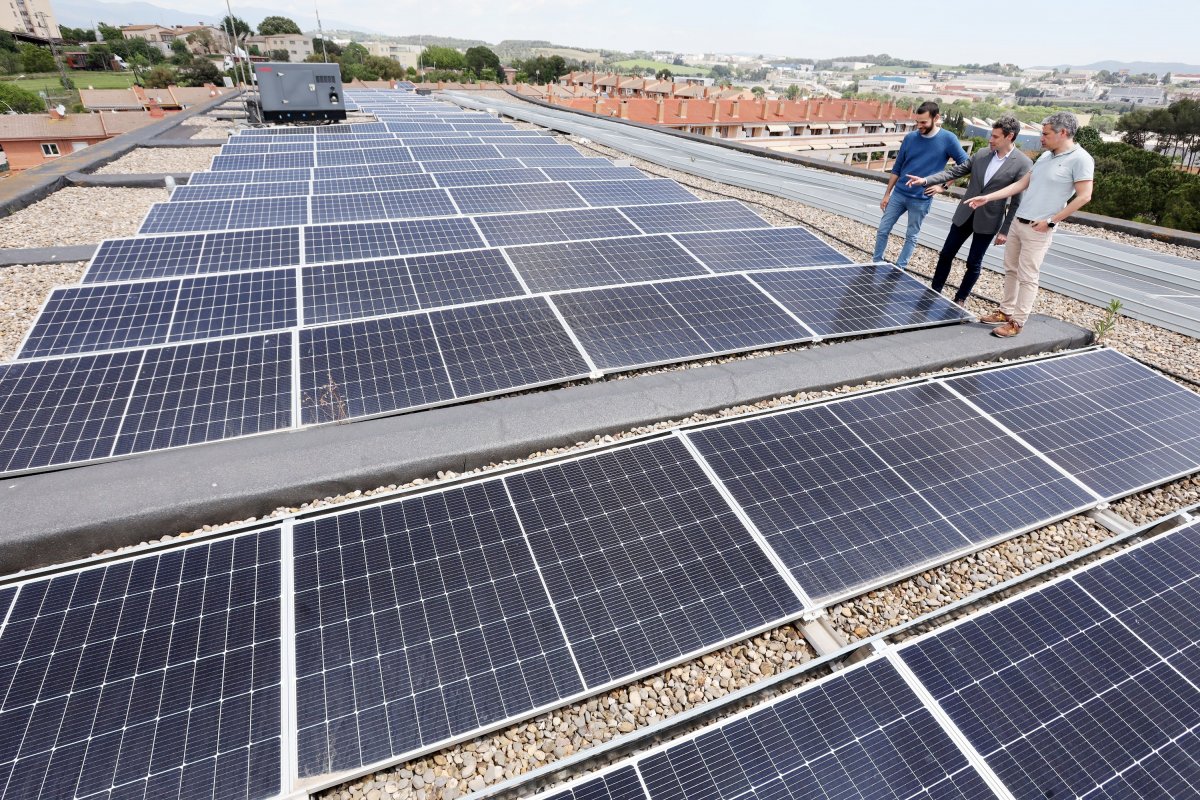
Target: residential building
[1185, 78]
[406, 54]
[161, 37]
[1138, 95]
[29, 140]
[172, 98]
[297, 45]
[852, 66]
[33, 17]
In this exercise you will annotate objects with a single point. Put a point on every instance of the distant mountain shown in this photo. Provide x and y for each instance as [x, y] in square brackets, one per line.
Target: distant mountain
[86, 13]
[1136, 67]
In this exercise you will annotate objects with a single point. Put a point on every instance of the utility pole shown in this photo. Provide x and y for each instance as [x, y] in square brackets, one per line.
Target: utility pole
[67, 84]
[321, 30]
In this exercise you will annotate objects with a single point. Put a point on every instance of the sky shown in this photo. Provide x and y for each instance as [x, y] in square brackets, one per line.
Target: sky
[1031, 34]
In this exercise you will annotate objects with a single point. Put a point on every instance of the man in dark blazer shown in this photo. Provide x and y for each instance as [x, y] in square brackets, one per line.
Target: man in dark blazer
[994, 168]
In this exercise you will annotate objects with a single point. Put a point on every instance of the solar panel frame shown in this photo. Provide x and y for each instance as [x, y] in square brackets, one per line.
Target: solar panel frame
[97, 317]
[635, 192]
[759, 248]
[540, 227]
[517, 198]
[694, 216]
[602, 262]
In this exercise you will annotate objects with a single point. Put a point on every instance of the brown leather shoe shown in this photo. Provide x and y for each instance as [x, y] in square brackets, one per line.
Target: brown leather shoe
[1010, 328]
[997, 317]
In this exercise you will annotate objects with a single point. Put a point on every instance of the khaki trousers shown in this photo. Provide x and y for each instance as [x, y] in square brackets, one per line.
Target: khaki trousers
[1023, 254]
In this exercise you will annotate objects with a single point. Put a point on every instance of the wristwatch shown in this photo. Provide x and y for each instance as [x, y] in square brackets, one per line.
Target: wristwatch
[1050, 223]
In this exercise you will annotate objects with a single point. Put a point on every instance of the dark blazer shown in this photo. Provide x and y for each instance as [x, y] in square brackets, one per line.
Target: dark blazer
[990, 219]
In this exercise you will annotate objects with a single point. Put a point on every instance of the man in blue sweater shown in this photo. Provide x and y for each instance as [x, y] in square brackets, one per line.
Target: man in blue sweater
[923, 152]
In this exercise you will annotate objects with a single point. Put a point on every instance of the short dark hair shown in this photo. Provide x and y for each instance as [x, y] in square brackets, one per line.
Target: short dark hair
[929, 107]
[1008, 125]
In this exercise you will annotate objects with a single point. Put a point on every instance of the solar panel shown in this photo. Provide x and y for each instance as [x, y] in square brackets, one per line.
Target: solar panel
[145, 257]
[760, 249]
[843, 301]
[335, 292]
[339, 185]
[207, 391]
[563, 226]
[1110, 421]
[417, 621]
[222, 191]
[267, 212]
[506, 345]
[156, 677]
[454, 152]
[437, 167]
[620, 784]
[1085, 687]
[347, 207]
[646, 190]
[605, 171]
[232, 304]
[698, 216]
[574, 265]
[372, 367]
[252, 249]
[202, 215]
[418, 203]
[491, 177]
[64, 410]
[465, 277]
[531, 197]
[248, 176]
[855, 492]
[378, 239]
[861, 733]
[548, 150]
[80, 319]
[628, 326]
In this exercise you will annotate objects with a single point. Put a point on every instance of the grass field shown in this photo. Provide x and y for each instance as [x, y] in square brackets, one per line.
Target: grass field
[49, 82]
[642, 63]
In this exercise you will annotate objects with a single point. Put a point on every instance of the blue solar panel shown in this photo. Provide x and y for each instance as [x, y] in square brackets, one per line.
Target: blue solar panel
[629, 326]
[256, 249]
[363, 368]
[368, 184]
[708, 216]
[490, 177]
[760, 249]
[1085, 687]
[842, 301]
[158, 677]
[602, 171]
[63, 410]
[419, 203]
[506, 345]
[620, 784]
[466, 277]
[379, 239]
[531, 197]
[335, 292]
[453, 152]
[347, 207]
[201, 215]
[1110, 421]
[228, 305]
[854, 492]
[249, 176]
[574, 265]
[565, 226]
[644, 561]
[146, 257]
[548, 150]
[417, 621]
[81, 319]
[617, 193]
[207, 391]
[266, 212]
[863, 733]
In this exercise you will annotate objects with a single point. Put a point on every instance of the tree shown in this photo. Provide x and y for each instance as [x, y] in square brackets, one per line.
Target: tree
[8, 42]
[20, 100]
[274, 26]
[351, 71]
[199, 71]
[1134, 127]
[355, 53]
[279, 55]
[664, 75]
[480, 58]
[1183, 207]
[442, 58]
[100, 56]
[322, 46]
[204, 39]
[159, 77]
[1088, 138]
[792, 92]
[36, 59]
[110, 33]
[238, 25]
[77, 35]
[181, 55]
[388, 69]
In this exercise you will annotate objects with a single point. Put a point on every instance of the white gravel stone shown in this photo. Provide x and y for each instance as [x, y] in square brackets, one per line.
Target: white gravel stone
[23, 290]
[143, 160]
[79, 215]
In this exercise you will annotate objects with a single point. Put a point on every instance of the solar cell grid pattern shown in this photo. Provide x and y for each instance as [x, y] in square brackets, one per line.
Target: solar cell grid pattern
[188, 254]
[417, 621]
[851, 493]
[620, 784]
[628, 326]
[563, 226]
[331, 243]
[111, 316]
[644, 560]
[573, 265]
[861, 734]
[842, 301]
[595, 172]
[768, 248]
[696, 216]
[1110, 421]
[491, 177]
[156, 677]
[621, 192]
[521, 197]
[1086, 687]
[335, 292]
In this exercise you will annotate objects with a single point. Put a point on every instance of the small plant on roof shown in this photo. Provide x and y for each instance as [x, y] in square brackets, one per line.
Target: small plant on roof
[1108, 321]
[329, 403]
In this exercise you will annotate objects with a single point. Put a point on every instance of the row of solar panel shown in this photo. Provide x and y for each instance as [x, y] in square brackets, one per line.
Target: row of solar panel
[396, 153]
[100, 316]
[227, 388]
[241, 146]
[167, 256]
[437, 615]
[422, 180]
[1086, 687]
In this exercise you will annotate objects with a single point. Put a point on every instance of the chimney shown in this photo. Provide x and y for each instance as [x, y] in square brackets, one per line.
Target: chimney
[716, 106]
[596, 105]
[662, 112]
[623, 110]
[763, 113]
[733, 110]
[154, 108]
[846, 110]
[780, 109]
[807, 108]
[820, 108]
[683, 108]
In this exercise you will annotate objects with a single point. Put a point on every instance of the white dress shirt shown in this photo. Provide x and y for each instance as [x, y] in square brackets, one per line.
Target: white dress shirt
[994, 165]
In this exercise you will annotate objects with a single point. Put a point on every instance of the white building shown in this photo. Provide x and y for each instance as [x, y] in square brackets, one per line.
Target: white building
[406, 54]
[852, 66]
[1138, 95]
[297, 45]
[35, 17]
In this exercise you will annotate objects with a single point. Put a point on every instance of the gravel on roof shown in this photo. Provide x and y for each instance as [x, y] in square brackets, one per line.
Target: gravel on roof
[144, 160]
[79, 215]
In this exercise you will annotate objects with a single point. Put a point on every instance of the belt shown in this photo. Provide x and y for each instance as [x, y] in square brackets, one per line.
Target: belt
[1032, 221]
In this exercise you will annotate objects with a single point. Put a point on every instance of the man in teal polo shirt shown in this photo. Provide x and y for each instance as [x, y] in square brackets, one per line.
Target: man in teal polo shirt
[1065, 169]
[923, 152]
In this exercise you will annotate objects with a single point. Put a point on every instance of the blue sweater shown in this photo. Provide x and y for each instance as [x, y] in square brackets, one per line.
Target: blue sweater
[921, 156]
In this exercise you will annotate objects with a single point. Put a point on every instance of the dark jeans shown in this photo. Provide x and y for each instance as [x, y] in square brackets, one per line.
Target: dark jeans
[954, 242]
